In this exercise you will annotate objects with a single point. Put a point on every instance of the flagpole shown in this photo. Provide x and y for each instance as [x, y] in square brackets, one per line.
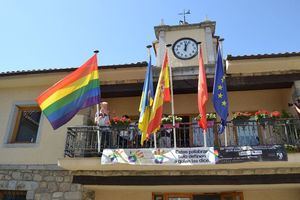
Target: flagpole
[172, 96]
[98, 113]
[154, 135]
[221, 45]
[225, 130]
[98, 131]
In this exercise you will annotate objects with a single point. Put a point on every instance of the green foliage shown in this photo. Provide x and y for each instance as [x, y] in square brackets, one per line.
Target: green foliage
[292, 148]
[169, 119]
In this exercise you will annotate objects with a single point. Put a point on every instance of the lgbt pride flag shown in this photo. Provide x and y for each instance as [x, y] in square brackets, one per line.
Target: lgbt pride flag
[76, 91]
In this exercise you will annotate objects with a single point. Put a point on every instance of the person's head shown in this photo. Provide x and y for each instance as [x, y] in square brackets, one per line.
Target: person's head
[104, 107]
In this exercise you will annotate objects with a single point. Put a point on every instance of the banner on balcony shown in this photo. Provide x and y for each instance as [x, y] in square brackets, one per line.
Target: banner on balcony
[250, 154]
[165, 156]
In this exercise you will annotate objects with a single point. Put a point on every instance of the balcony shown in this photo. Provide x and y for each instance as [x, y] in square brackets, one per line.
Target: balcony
[89, 141]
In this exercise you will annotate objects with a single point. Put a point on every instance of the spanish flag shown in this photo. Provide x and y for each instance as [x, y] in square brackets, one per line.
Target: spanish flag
[76, 91]
[146, 102]
[162, 95]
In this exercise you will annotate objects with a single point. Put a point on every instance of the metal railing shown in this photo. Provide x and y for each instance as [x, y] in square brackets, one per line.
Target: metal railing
[82, 141]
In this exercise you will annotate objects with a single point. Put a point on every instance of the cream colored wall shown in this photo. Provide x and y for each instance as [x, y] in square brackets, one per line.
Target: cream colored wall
[263, 65]
[253, 100]
[120, 195]
[51, 144]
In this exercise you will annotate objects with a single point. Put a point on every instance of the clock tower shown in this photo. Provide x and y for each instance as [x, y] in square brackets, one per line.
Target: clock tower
[184, 38]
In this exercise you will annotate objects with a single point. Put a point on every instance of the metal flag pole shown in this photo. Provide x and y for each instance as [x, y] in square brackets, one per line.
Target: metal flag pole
[221, 48]
[225, 135]
[204, 138]
[172, 96]
[98, 114]
[98, 131]
[154, 135]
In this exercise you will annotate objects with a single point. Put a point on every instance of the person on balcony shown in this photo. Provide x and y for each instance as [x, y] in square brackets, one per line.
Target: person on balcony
[102, 118]
[297, 106]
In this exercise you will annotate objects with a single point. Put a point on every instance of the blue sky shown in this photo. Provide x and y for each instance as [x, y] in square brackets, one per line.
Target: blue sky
[63, 33]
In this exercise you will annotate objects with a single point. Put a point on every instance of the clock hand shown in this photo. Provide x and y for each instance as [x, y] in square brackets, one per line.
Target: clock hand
[185, 45]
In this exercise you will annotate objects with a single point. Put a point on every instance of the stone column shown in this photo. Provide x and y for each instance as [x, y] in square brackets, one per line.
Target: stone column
[161, 48]
[210, 53]
[296, 90]
[88, 194]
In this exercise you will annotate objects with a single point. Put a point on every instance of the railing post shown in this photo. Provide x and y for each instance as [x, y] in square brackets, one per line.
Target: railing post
[225, 136]
[286, 134]
[296, 133]
[99, 137]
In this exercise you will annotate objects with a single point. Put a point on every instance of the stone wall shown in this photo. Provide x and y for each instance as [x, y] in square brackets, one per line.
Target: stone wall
[43, 183]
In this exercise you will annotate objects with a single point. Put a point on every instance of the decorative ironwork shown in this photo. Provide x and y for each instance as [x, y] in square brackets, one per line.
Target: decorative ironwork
[82, 141]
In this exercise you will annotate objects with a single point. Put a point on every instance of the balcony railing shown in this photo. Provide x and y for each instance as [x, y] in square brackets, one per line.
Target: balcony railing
[83, 141]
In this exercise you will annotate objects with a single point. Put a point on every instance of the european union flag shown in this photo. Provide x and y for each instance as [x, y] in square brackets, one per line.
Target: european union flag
[220, 99]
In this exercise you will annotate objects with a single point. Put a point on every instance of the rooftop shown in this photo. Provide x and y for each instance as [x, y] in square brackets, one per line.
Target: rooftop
[52, 70]
[260, 56]
[164, 27]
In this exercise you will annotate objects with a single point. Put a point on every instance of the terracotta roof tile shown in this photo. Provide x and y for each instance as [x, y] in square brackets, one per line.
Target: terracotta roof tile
[259, 56]
[52, 70]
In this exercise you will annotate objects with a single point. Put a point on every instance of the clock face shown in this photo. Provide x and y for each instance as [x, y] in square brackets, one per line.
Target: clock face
[185, 48]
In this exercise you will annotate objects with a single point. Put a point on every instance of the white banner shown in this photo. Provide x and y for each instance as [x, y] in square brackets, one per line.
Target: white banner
[164, 156]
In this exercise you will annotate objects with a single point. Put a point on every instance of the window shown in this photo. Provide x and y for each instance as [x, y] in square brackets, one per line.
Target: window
[232, 196]
[178, 196]
[12, 195]
[25, 124]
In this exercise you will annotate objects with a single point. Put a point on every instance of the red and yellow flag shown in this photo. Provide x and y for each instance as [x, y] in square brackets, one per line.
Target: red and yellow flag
[162, 95]
[202, 92]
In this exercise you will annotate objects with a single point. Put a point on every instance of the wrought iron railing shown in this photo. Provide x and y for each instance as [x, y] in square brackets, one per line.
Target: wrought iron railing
[89, 141]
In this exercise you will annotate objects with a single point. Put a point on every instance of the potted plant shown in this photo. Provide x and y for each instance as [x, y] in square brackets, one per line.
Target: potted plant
[263, 117]
[292, 148]
[120, 122]
[210, 117]
[287, 117]
[167, 122]
[241, 118]
[275, 114]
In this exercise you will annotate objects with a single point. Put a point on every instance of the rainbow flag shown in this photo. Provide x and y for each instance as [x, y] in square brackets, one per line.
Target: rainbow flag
[76, 91]
[162, 95]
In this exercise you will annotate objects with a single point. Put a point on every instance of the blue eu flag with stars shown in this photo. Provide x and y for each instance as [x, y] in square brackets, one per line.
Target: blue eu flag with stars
[220, 99]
